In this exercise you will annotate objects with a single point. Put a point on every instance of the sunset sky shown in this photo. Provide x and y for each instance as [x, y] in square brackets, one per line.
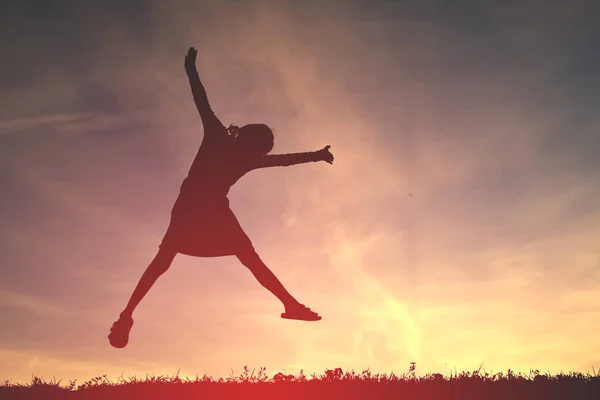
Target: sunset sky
[459, 225]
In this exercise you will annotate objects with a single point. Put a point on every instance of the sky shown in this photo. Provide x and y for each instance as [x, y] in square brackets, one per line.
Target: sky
[457, 228]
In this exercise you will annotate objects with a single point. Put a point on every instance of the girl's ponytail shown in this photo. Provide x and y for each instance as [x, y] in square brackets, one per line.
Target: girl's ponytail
[233, 130]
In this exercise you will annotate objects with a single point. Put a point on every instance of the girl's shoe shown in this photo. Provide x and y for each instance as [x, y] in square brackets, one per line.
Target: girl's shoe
[119, 332]
[302, 313]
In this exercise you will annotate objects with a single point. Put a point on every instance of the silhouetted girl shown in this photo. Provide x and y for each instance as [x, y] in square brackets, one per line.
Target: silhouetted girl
[202, 224]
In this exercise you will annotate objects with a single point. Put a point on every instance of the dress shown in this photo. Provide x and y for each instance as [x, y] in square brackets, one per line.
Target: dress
[202, 224]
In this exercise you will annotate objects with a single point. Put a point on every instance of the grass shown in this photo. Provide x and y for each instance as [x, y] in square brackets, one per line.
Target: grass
[332, 384]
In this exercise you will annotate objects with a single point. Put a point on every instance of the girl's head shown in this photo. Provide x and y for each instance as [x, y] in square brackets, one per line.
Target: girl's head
[253, 138]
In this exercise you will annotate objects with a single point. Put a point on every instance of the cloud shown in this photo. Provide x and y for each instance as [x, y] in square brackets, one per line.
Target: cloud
[31, 303]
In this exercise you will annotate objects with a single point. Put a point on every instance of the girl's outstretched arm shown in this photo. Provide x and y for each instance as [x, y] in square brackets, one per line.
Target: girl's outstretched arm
[283, 160]
[212, 125]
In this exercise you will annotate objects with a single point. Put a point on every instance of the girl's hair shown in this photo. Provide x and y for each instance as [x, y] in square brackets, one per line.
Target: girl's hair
[233, 130]
[259, 136]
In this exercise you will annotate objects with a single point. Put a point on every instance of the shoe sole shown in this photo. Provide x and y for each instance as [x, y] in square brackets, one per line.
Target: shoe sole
[300, 318]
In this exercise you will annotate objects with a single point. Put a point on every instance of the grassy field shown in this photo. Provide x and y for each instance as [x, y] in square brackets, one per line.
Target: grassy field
[332, 384]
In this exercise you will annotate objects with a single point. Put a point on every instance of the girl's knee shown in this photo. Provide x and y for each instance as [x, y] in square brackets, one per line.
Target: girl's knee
[162, 261]
[248, 257]
[165, 255]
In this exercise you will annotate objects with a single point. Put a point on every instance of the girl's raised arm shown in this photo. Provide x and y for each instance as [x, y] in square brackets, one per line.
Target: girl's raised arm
[212, 125]
[283, 160]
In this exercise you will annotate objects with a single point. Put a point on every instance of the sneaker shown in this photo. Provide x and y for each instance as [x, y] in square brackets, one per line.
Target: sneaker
[301, 312]
[119, 332]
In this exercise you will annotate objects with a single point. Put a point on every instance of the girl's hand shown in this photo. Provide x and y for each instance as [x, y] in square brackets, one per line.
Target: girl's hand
[325, 155]
[190, 59]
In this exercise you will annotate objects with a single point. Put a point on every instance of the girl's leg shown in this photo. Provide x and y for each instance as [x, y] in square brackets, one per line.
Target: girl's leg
[161, 263]
[266, 278]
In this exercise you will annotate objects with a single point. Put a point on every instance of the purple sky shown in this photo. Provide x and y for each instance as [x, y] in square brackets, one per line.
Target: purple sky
[464, 198]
